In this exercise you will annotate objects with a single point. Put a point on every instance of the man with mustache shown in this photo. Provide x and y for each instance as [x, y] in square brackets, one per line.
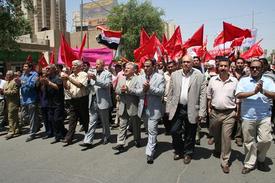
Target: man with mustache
[221, 107]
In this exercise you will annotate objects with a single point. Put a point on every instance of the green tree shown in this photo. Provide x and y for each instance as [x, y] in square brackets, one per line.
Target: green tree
[13, 23]
[130, 18]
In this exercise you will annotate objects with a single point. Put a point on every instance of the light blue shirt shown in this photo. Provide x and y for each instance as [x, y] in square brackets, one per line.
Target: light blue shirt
[258, 106]
[28, 88]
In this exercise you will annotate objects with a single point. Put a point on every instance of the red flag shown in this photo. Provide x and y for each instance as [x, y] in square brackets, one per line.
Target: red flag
[29, 59]
[208, 56]
[149, 49]
[174, 45]
[82, 46]
[144, 38]
[237, 42]
[52, 57]
[196, 39]
[42, 62]
[164, 39]
[254, 51]
[231, 32]
[219, 39]
[67, 53]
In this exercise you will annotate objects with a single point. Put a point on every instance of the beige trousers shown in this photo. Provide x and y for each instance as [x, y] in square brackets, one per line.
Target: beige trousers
[257, 140]
[222, 123]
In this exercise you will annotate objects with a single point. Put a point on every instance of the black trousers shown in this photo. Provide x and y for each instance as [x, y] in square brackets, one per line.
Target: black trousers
[78, 110]
[183, 132]
[56, 117]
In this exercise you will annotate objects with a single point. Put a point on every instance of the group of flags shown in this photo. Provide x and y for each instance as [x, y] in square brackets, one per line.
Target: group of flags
[172, 49]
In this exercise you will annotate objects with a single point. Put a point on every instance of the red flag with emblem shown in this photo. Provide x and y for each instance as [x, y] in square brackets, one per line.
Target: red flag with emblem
[42, 62]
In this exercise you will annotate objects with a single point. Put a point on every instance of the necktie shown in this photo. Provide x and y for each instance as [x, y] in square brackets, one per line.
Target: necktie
[145, 96]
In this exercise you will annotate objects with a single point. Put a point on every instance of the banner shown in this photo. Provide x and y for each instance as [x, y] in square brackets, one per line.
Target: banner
[91, 55]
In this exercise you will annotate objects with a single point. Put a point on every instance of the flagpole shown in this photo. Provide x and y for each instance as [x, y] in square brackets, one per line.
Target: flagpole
[223, 49]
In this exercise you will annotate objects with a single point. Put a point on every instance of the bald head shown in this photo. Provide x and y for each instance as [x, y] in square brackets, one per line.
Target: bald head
[187, 63]
[99, 65]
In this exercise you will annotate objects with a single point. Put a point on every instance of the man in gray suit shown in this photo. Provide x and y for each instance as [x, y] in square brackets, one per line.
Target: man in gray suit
[186, 104]
[128, 107]
[150, 89]
[99, 103]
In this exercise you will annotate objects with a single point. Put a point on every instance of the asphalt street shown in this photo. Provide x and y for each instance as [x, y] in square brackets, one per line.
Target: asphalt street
[39, 161]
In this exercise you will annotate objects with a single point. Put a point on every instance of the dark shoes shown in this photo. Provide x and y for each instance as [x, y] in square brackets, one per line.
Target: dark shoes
[119, 148]
[187, 159]
[47, 137]
[30, 138]
[150, 159]
[216, 154]
[137, 144]
[239, 142]
[66, 142]
[55, 141]
[262, 166]
[246, 170]
[225, 169]
[105, 141]
[86, 145]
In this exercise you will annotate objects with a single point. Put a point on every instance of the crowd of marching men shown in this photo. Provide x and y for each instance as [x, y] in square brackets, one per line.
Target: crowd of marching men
[182, 95]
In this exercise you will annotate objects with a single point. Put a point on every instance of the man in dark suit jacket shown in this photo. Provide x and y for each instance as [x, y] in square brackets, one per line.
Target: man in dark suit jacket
[186, 104]
[128, 107]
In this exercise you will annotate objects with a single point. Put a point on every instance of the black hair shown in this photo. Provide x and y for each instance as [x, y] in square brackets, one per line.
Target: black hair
[197, 58]
[264, 61]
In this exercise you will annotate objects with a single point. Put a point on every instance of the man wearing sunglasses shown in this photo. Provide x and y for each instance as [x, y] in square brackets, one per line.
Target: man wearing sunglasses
[256, 92]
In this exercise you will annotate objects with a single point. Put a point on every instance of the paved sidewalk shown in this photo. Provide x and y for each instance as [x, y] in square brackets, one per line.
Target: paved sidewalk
[39, 161]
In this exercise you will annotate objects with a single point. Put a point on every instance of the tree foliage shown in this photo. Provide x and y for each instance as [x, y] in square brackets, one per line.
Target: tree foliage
[130, 18]
[13, 23]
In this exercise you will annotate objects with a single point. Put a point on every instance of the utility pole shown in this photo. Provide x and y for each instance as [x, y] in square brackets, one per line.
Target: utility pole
[252, 19]
[81, 20]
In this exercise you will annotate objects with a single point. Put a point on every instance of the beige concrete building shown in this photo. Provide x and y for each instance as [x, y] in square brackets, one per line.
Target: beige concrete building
[49, 14]
[48, 22]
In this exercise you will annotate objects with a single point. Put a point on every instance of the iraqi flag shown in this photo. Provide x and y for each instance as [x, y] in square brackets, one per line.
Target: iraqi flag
[109, 38]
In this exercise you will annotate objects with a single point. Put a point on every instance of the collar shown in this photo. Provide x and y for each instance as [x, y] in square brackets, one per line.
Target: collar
[188, 74]
[228, 80]
[127, 79]
[253, 80]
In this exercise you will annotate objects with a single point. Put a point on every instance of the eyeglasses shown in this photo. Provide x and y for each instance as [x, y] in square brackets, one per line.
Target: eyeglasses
[186, 62]
[255, 67]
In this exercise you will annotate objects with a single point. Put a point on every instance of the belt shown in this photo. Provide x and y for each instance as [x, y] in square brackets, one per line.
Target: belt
[182, 106]
[222, 110]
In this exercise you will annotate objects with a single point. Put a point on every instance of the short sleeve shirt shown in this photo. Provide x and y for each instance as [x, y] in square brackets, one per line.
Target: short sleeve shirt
[258, 106]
